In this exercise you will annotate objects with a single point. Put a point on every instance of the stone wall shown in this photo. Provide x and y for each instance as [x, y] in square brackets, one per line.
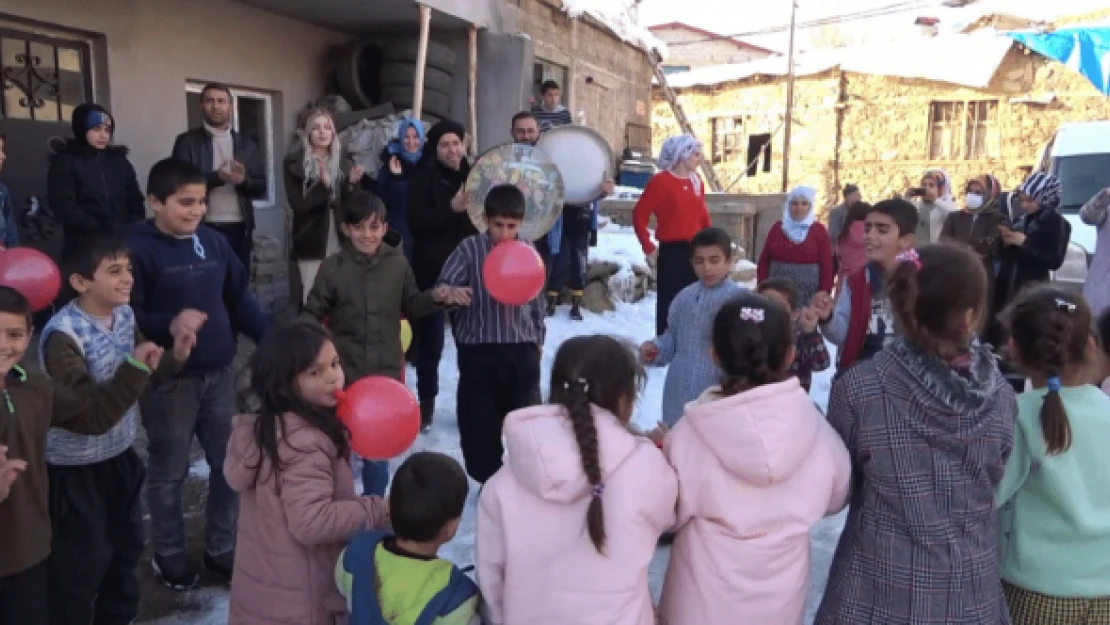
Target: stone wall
[875, 130]
[610, 80]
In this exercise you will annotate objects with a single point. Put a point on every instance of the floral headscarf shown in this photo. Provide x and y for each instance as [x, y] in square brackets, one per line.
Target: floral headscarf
[676, 150]
[797, 229]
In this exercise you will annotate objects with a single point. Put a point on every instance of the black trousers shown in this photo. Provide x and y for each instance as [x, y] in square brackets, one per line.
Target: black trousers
[97, 519]
[240, 239]
[23, 597]
[429, 334]
[674, 272]
[571, 263]
[494, 380]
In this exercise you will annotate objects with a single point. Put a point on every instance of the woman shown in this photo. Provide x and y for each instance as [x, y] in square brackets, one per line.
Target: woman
[399, 159]
[851, 247]
[798, 248]
[977, 226]
[1097, 292]
[934, 202]
[1037, 243]
[315, 176]
[677, 199]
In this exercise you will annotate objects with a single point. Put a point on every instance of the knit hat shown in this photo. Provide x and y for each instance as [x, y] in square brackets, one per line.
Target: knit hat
[1044, 188]
[849, 189]
[445, 127]
[88, 116]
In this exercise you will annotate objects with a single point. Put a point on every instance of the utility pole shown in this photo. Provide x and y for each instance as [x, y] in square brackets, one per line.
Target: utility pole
[788, 122]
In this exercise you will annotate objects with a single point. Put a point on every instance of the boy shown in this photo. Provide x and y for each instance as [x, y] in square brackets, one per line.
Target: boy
[95, 480]
[862, 322]
[685, 344]
[499, 346]
[32, 404]
[9, 229]
[189, 280]
[810, 353]
[363, 292]
[399, 578]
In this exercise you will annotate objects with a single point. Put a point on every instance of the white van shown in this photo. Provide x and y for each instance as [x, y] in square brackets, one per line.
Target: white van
[1079, 155]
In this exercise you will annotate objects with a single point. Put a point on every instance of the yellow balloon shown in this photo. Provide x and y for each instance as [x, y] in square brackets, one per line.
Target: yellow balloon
[406, 335]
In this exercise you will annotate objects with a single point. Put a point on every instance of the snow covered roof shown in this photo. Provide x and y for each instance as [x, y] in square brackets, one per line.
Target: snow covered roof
[616, 15]
[970, 60]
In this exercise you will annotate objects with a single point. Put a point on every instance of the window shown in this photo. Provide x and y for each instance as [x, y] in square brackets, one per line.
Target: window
[675, 69]
[964, 130]
[252, 115]
[543, 71]
[44, 78]
[759, 148]
[727, 132]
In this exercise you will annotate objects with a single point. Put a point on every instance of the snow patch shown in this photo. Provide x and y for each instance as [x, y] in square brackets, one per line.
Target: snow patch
[616, 16]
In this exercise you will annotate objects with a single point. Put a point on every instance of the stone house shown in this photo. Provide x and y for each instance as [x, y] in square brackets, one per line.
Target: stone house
[880, 118]
[689, 47]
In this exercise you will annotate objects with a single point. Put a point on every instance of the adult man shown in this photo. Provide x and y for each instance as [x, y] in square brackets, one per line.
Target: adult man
[839, 214]
[549, 113]
[233, 168]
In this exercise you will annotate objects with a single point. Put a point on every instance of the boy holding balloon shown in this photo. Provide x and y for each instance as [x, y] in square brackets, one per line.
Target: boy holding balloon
[500, 335]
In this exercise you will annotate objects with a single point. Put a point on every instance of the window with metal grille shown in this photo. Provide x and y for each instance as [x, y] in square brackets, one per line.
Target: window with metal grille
[727, 133]
[43, 78]
[964, 130]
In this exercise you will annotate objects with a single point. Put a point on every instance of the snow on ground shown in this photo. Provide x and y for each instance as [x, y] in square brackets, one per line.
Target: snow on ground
[635, 322]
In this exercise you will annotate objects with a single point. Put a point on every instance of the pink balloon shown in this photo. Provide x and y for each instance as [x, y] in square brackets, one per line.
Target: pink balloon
[513, 273]
[32, 273]
[382, 415]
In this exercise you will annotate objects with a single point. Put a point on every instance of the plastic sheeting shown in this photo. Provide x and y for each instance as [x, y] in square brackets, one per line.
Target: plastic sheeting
[1085, 50]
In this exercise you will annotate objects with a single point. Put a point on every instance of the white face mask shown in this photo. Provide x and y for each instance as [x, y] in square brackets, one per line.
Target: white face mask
[973, 201]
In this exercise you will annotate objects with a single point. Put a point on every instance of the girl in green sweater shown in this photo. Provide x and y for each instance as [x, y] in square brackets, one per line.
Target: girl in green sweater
[1054, 538]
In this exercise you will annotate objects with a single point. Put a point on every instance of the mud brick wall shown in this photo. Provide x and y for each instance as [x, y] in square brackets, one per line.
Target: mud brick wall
[270, 276]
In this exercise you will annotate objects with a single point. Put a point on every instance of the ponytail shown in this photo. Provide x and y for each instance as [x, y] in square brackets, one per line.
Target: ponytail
[1054, 420]
[931, 291]
[585, 431]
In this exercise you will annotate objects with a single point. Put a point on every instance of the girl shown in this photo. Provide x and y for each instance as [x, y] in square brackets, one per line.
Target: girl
[297, 495]
[978, 227]
[314, 185]
[569, 525]
[757, 466]
[929, 422]
[810, 353]
[677, 199]
[852, 247]
[934, 203]
[399, 159]
[1054, 517]
[798, 248]
[1037, 243]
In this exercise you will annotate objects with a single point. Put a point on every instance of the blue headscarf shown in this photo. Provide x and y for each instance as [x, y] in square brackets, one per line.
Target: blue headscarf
[677, 149]
[396, 146]
[797, 229]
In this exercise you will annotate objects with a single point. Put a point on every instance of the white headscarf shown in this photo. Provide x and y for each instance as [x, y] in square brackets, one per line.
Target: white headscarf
[676, 150]
[797, 229]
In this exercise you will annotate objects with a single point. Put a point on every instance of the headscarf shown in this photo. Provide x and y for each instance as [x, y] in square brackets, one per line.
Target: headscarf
[88, 116]
[1043, 187]
[944, 187]
[308, 160]
[396, 146]
[797, 229]
[992, 186]
[678, 149]
[431, 143]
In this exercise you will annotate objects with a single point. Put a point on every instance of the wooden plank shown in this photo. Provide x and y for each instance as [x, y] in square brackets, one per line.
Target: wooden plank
[472, 88]
[421, 61]
[683, 121]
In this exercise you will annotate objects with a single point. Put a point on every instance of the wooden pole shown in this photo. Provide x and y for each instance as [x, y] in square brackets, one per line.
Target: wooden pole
[473, 90]
[788, 122]
[421, 60]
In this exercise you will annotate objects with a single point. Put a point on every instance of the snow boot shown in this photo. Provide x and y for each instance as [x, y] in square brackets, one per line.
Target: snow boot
[552, 303]
[576, 306]
[427, 409]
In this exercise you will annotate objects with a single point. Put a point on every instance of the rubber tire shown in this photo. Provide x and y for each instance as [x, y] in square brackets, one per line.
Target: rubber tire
[435, 102]
[403, 75]
[351, 73]
[405, 51]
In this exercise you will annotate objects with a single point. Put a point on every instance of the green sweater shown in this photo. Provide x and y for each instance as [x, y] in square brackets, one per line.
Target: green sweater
[1054, 517]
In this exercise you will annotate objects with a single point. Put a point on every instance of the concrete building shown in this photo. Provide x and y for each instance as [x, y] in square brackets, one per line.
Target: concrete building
[689, 47]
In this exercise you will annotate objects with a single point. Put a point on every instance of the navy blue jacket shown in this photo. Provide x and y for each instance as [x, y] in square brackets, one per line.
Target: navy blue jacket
[199, 272]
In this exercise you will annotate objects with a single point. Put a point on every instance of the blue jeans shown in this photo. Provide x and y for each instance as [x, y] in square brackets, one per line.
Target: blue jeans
[375, 477]
[174, 411]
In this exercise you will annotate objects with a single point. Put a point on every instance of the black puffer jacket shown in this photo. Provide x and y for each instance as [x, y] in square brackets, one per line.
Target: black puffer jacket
[436, 229]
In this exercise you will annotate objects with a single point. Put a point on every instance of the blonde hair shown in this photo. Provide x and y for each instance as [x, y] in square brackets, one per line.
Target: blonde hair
[311, 170]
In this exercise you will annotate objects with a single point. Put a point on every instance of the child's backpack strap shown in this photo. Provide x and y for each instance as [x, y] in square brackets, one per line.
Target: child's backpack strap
[460, 589]
[358, 562]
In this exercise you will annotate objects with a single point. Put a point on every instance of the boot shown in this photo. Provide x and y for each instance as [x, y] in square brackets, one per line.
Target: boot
[552, 303]
[427, 409]
[576, 306]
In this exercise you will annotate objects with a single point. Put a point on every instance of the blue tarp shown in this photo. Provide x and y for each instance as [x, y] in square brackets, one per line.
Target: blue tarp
[1085, 50]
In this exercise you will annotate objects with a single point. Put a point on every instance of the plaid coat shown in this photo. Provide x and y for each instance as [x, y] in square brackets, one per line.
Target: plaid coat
[929, 446]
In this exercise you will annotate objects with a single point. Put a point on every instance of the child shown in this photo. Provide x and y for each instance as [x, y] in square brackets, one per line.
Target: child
[400, 578]
[290, 463]
[9, 229]
[851, 247]
[758, 466]
[928, 422]
[188, 279]
[862, 321]
[569, 526]
[810, 353]
[32, 404]
[499, 345]
[685, 344]
[95, 481]
[1054, 519]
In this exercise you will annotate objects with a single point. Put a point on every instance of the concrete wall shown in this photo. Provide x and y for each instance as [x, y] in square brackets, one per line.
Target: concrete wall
[150, 48]
[693, 49]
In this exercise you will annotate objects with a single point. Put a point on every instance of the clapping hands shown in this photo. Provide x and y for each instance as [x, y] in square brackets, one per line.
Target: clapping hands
[821, 305]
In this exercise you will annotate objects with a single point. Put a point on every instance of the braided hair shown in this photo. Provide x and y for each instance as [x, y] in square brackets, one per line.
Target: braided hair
[752, 337]
[1051, 329]
[605, 372]
[931, 294]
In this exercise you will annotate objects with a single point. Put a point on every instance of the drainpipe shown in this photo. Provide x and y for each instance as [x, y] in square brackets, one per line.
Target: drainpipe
[421, 60]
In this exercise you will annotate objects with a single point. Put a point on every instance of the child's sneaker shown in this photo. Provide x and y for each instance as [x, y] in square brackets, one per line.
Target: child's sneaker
[222, 564]
[175, 571]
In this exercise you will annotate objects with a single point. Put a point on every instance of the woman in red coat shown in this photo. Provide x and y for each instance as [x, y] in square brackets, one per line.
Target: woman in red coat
[676, 197]
[798, 247]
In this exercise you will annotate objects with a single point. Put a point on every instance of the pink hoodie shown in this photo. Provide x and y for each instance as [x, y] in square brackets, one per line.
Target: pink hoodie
[535, 561]
[756, 472]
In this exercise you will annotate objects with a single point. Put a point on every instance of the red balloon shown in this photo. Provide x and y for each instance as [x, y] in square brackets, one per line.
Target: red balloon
[514, 273]
[382, 415]
[32, 273]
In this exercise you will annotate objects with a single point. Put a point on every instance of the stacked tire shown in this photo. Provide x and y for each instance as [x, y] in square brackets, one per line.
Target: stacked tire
[398, 73]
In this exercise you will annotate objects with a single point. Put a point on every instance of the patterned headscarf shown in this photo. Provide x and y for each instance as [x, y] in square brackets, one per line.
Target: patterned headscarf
[1043, 187]
[676, 150]
[944, 184]
[797, 229]
[992, 186]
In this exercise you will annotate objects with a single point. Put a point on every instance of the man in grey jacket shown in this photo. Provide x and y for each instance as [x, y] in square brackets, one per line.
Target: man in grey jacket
[839, 214]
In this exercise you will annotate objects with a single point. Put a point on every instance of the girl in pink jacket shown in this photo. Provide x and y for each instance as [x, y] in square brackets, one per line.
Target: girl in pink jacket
[568, 526]
[758, 466]
[297, 503]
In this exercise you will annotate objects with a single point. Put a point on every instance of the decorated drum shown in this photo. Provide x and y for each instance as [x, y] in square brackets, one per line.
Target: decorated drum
[531, 171]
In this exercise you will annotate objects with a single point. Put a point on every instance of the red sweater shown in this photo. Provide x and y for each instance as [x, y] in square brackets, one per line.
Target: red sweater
[679, 211]
[816, 249]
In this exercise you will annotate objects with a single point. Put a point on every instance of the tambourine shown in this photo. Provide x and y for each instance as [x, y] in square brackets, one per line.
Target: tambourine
[584, 159]
[531, 171]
